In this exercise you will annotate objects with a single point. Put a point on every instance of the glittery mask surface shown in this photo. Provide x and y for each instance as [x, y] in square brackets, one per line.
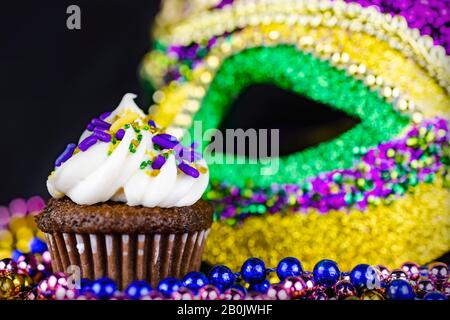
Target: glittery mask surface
[379, 190]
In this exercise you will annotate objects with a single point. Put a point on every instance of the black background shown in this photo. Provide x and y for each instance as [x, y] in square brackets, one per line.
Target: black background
[54, 80]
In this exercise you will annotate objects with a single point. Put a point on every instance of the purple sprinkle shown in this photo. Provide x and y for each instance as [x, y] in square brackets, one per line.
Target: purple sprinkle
[87, 143]
[105, 115]
[187, 169]
[152, 123]
[165, 141]
[159, 162]
[67, 153]
[120, 134]
[102, 136]
[90, 127]
[100, 123]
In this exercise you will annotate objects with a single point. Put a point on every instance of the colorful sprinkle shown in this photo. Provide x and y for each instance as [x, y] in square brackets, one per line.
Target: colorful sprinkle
[158, 162]
[68, 152]
[189, 170]
[87, 143]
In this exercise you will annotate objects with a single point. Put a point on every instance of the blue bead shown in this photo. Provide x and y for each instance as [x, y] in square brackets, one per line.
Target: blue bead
[289, 267]
[260, 287]
[221, 277]
[194, 281]
[137, 289]
[16, 254]
[85, 286]
[37, 246]
[435, 295]
[365, 276]
[326, 272]
[253, 271]
[169, 285]
[399, 289]
[104, 288]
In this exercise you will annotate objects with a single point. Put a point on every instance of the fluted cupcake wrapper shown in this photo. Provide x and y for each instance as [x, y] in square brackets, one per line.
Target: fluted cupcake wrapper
[128, 257]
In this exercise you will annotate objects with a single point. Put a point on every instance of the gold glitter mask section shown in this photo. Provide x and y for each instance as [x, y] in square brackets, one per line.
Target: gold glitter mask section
[414, 228]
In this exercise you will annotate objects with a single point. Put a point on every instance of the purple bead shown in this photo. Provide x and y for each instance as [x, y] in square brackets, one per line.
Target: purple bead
[424, 286]
[182, 294]
[102, 136]
[35, 204]
[105, 115]
[187, 169]
[87, 143]
[4, 216]
[233, 294]
[120, 134]
[66, 155]
[158, 162]
[18, 206]
[412, 270]
[7, 267]
[296, 287]
[344, 289]
[165, 141]
[152, 123]
[278, 292]
[101, 124]
[209, 292]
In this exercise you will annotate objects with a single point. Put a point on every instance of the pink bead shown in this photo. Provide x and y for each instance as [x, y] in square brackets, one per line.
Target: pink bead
[182, 294]
[309, 281]
[153, 295]
[295, 286]
[424, 286]
[208, 292]
[446, 289]
[46, 257]
[385, 273]
[397, 274]
[35, 204]
[4, 216]
[278, 292]
[255, 296]
[233, 294]
[438, 271]
[27, 263]
[412, 270]
[55, 287]
[7, 267]
[318, 295]
[344, 289]
[18, 207]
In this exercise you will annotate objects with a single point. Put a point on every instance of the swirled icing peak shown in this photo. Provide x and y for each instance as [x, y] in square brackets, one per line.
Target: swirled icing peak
[123, 156]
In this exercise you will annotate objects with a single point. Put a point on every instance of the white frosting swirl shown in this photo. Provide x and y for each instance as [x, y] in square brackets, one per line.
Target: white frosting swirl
[93, 176]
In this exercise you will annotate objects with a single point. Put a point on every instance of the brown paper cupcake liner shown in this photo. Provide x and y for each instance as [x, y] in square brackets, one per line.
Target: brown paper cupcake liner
[128, 257]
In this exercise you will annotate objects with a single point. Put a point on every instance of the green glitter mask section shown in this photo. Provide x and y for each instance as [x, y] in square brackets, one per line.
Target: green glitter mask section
[291, 69]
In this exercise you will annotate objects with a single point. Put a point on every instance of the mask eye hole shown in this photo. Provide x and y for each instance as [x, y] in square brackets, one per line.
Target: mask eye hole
[302, 122]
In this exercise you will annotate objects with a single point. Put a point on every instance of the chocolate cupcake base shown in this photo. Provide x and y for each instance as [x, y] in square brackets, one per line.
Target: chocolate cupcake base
[125, 258]
[125, 243]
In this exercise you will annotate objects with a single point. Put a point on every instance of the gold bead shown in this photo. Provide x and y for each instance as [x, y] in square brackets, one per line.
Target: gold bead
[158, 96]
[417, 117]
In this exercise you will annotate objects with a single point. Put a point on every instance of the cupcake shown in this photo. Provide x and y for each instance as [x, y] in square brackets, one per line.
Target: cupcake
[126, 201]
